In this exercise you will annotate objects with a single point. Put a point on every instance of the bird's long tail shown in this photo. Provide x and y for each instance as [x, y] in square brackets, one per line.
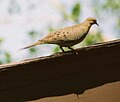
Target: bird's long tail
[35, 44]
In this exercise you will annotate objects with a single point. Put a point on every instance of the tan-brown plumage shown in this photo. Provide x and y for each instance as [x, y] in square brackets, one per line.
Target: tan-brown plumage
[68, 36]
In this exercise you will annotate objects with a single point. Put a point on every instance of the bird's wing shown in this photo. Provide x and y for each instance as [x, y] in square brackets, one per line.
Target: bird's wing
[65, 34]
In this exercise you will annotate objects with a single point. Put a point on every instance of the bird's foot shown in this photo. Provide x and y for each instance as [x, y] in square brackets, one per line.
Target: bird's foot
[73, 50]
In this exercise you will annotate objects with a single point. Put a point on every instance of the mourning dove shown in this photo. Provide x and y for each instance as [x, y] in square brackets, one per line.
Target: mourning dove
[69, 36]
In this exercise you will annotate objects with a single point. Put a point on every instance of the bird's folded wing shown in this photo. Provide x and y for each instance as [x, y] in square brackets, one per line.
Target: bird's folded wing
[64, 35]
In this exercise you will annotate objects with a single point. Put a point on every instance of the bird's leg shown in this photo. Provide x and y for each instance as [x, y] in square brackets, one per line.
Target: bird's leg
[73, 50]
[62, 49]
[77, 95]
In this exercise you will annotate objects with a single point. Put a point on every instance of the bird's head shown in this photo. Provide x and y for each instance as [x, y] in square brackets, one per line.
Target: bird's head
[92, 20]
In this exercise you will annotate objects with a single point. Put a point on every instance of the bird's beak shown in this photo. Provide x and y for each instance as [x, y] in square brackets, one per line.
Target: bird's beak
[97, 24]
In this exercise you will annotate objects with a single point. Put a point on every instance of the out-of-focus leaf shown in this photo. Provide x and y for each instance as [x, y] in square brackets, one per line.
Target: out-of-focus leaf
[56, 49]
[5, 56]
[76, 12]
[92, 39]
[112, 4]
[32, 33]
[50, 29]
[1, 40]
[1, 62]
[33, 50]
[8, 57]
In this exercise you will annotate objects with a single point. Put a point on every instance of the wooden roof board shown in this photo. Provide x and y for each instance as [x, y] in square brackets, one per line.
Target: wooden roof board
[61, 73]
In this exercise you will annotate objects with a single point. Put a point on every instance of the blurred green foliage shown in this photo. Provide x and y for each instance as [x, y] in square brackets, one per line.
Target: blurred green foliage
[1, 41]
[92, 39]
[76, 12]
[56, 49]
[112, 5]
[5, 56]
[32, 35]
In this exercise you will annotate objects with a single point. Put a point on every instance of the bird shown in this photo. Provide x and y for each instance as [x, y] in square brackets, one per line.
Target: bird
[68, 36]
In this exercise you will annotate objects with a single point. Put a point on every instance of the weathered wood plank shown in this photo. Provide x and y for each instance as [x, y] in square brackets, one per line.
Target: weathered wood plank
[61, 73]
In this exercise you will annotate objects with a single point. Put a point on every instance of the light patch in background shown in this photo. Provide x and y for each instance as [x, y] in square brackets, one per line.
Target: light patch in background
[37, 15]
